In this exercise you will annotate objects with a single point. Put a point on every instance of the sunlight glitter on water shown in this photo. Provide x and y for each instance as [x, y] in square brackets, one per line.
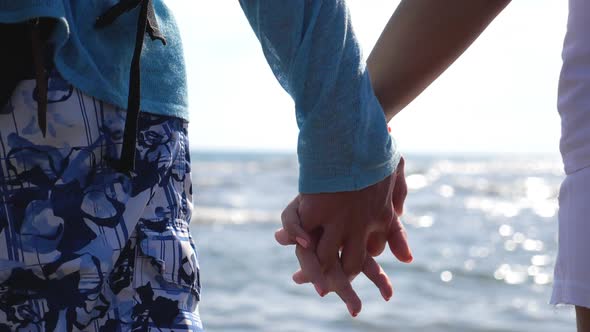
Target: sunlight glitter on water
[446, 191]
[537, 189]
[543, 279]
[416, 181]
[540, 260]
[483, 234]
[479, 252]
[505, 230]
[493, 207]
[518, 237]
[509, 245]
[425, 221]
[469, 264]
[532, 245]
[512, 275]
[446, 276]
[546, 209]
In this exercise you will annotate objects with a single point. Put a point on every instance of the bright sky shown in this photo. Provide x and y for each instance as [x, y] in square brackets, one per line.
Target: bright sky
[500, 96]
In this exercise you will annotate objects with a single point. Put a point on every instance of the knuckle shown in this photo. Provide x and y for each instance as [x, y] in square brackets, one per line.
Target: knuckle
[376, 248]
[324, 258]
[342, 289]
[306, 218]
[285, 215]
[326, 261]
[396, 227]
[352, 269]
[388, 213]
[289, 222]
[341, 285]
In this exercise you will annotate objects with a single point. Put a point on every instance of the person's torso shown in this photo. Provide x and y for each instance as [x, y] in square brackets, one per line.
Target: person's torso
[574, 89]
[97, 61]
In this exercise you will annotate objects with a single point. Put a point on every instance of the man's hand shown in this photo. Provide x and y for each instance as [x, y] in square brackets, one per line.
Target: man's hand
[357, 223]
[348, 220]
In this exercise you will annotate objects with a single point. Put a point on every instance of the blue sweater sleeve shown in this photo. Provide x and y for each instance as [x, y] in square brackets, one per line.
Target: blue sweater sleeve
[343, 141]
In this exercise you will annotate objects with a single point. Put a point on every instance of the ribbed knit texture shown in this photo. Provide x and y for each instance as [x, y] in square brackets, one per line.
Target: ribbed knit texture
[310, 46]
[97, 61]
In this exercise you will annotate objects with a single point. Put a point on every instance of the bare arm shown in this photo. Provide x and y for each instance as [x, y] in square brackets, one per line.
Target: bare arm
[420, 41]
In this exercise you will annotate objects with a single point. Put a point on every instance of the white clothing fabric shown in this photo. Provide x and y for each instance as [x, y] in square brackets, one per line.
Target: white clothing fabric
[574, 89]
[572, 269]
[571, 283]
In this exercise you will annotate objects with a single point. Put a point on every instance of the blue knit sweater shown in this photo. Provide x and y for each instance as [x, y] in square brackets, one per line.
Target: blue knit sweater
[97, 61]
[343, 142]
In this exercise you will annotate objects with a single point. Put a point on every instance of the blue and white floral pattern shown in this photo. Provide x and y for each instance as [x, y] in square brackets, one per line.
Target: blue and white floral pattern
[82, 246]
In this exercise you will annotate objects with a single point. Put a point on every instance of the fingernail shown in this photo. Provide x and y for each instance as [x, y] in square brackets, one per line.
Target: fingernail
[319, 290]
[352, 313]
[388, 296]
[301, 241]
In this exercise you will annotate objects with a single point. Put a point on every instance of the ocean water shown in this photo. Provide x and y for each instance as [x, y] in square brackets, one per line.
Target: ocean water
[483, 232]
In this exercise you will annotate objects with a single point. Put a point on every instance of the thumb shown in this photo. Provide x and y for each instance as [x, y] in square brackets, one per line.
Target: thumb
[400, 190]
[292, 232]
[398, 242]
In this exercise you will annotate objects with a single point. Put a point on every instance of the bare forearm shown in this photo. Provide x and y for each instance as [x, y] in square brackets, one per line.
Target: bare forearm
[420, 41]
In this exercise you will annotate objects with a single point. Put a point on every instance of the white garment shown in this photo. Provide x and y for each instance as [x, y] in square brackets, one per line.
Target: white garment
[571, 283]
[574, 89]
[572, 270]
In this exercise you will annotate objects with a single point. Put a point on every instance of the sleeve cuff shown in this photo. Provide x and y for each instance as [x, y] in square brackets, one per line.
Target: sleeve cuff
[353, 181]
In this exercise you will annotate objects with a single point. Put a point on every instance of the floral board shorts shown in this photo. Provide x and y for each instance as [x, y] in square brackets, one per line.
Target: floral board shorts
[82, 246]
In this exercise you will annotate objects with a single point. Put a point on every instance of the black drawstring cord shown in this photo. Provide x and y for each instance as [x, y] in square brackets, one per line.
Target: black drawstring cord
[146, 22]
[41, 76]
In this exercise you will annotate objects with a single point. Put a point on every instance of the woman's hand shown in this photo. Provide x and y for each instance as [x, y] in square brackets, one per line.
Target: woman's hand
[339, 233]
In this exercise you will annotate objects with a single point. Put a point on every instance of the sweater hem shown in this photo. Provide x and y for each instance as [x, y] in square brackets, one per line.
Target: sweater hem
[569, 293]
[147, 105]
[364, 179]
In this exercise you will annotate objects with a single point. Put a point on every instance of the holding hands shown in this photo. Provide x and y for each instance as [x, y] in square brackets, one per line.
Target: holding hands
[338, 234]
